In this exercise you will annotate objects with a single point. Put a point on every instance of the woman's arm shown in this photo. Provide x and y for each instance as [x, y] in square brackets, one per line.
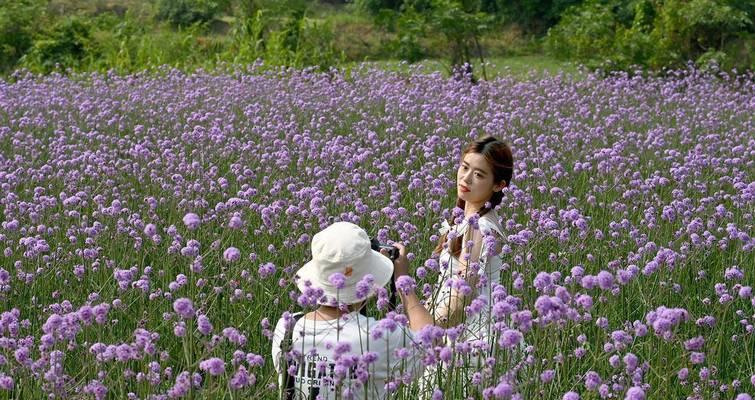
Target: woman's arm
[418, 315]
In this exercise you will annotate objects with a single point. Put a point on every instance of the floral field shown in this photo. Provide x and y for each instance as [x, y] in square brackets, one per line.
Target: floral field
[151, 225]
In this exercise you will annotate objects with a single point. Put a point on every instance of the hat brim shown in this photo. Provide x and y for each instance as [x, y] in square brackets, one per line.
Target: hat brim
[374, 263]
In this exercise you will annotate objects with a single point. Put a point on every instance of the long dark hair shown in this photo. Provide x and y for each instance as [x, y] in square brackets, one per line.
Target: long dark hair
[498, 154]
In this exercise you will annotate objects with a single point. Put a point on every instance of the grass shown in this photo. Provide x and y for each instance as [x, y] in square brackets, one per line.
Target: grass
[521, 67]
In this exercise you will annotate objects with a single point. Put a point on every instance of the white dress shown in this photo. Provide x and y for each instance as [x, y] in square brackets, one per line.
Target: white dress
[478, 328]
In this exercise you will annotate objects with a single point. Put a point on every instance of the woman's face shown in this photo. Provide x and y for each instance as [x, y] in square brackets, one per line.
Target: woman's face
[475, 182]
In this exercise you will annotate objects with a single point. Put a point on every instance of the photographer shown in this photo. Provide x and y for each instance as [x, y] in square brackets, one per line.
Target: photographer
[334, 351]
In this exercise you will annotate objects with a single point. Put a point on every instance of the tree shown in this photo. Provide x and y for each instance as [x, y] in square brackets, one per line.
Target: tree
[461, 23]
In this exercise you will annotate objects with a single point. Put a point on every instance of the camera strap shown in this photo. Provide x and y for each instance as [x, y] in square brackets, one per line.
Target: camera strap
[392, 299]
[285, 347]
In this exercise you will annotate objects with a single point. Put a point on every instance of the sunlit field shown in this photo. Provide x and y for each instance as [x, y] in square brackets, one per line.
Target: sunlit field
[152, 223]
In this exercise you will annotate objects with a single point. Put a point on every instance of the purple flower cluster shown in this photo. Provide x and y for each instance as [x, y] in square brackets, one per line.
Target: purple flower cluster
[153, 225]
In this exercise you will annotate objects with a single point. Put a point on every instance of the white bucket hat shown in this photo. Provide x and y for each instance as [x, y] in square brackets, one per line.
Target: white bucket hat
[343, 248]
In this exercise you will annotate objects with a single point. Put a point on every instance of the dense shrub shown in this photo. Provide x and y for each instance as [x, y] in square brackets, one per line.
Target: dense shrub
[536, 16]
[374, 7]
[294, 40]
[584, 32]
[188, 12]
[302, 42]
[65, 45]
[17, 29]
[659, 34]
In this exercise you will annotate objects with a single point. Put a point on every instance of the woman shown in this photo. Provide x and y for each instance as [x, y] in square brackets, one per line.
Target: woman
[469, 251]
[333, 351]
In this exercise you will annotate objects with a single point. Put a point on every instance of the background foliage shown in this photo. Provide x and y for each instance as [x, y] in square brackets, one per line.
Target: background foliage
[655, 34]
[133, 35]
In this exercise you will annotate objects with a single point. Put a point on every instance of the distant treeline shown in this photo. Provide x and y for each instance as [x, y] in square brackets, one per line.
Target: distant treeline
[131, 35]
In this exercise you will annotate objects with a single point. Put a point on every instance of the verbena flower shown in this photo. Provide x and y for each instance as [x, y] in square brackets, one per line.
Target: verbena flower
[184, 308]
[231, 254]
[191, 221]
[214, 366]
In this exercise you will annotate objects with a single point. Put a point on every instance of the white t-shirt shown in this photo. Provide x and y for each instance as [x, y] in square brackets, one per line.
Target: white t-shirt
[391, 346]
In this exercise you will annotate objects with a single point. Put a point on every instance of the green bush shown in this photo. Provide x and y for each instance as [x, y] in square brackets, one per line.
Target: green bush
[67, 44]
[118, 42]
[535, 16]
[301, 43]
[664, 33]
[293, 40]
[375, 7]
[585, 33]
[410, 27]
[248, 40]
[19, 21]
[189, 12]
[686, 29]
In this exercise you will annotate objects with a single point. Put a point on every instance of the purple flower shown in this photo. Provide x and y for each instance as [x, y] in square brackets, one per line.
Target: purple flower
[635, 393]
[405, 284]
[664, 319]
[6, 382]
[234, 336]
[214, 366]
[592, 380]
[204, 326]
[235, 222]
[502, 391]
[184, 308]
[150, 230]
[266, 270]
[631, 361]
[445, 354]
[614, 361]
[542, 281]
[694, 344]
[510, 338]
[231, 254]
[191, 221]
[364, 286]
[605, 280]
[570, 396]
[338, 280]
[547, 376]
[179, 329]
[734, 273]
[242, 378]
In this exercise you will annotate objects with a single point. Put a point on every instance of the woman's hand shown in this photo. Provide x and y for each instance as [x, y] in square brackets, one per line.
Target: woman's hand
[418, 315]
[401, 264]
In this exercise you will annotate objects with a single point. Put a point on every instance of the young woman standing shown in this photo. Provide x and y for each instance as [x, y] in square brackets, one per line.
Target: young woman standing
[469, 252]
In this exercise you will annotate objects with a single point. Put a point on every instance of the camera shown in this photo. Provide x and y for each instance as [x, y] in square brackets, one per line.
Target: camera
[392, 253]
[377, 246]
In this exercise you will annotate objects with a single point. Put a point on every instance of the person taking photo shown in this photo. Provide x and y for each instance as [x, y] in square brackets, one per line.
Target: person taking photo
[334, 351]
